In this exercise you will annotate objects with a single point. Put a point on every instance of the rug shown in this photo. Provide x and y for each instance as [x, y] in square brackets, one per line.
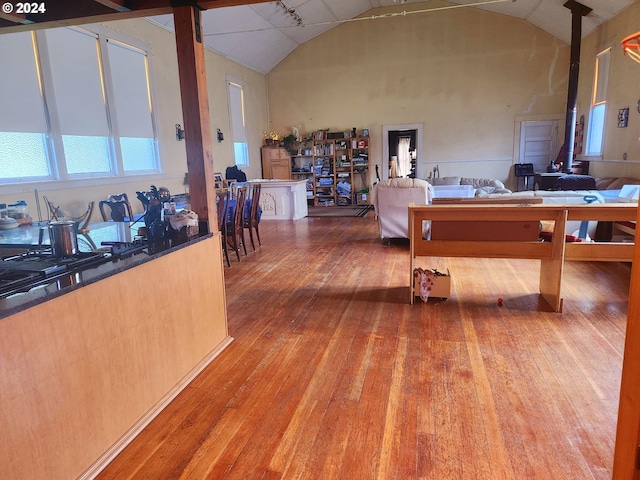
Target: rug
[359, 211]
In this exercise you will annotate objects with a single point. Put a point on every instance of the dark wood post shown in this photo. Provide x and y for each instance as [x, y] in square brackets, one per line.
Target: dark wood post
[195, 111]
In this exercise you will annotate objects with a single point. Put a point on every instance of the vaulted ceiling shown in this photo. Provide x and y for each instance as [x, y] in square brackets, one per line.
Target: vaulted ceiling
[263, 34]
[260, 34]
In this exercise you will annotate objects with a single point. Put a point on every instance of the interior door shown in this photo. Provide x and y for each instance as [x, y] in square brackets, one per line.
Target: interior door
[538, 143]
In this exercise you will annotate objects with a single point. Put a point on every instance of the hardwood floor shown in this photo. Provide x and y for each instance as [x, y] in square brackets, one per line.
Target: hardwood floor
[333, 375]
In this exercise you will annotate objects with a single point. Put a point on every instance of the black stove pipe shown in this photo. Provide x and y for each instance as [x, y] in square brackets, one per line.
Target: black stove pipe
[577, 12]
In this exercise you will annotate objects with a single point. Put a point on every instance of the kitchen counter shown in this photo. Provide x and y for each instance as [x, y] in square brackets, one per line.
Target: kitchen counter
[87, 366]
[24, 237]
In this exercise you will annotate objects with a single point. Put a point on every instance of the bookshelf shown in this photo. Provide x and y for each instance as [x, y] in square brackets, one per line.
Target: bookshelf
[336, 169]
[302, 167]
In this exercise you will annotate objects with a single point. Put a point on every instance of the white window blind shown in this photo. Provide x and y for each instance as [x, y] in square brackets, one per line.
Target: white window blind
[21, 99]
[133, 108]
[237, 119]
[75, 104]
[601, 77]
[236, 107]
[598, 110]
[79, 96]
[23, 124]
[80, 100]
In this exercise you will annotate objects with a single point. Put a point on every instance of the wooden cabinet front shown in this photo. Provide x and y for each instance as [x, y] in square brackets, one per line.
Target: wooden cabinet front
[276, 163]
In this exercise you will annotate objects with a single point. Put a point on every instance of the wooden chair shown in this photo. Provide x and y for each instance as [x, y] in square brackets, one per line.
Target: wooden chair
[253, 220]
[222, 204]
[120, 207]
[235, 228]
[234, 186]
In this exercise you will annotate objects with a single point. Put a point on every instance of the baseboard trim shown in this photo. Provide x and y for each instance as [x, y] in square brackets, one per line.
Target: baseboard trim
[133, 432]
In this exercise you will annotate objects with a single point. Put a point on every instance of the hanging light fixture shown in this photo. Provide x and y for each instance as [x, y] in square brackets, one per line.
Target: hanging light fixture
[291, 12]
[631, 46]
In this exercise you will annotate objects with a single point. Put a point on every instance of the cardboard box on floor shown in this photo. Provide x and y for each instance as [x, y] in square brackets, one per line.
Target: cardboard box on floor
[441, 287]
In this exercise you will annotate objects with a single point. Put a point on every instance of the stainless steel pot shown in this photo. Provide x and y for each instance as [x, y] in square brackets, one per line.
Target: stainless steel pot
[64, 238]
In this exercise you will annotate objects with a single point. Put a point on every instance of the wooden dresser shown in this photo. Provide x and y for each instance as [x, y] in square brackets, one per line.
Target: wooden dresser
[276, 163]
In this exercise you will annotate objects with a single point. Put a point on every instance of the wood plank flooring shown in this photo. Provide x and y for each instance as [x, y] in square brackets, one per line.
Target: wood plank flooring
[333, 375]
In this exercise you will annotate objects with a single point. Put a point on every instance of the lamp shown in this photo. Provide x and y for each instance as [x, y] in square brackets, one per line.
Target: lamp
[631, 46]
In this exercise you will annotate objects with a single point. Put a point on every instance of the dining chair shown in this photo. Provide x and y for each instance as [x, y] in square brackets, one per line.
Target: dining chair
[235, 228]
[234, 186]
[253, 220]
[222, 209]
[120, 207]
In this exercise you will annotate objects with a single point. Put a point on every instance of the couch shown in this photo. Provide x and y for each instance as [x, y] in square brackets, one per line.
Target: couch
[614, 183]
[391, 200]
[483, 186]
[571, 189]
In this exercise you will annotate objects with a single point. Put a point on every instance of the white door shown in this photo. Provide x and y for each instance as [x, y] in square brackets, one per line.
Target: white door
[538, 143]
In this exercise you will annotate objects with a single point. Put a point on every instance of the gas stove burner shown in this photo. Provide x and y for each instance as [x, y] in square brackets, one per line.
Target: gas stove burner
[19, 273]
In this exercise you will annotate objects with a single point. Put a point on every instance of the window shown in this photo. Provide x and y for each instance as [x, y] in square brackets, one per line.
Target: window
[595, 133]
[133, 109]
[80, 113]
[238, 128]
[23, 122]
[76, 104]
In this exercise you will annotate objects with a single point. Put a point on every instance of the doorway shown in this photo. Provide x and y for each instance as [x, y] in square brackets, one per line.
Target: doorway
[402, 150]
[538, 143]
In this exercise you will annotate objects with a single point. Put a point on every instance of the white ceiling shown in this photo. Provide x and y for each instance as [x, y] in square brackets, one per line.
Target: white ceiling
[261, 35]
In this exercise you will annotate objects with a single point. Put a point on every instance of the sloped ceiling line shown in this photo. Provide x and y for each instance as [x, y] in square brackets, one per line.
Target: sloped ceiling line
[261, 35]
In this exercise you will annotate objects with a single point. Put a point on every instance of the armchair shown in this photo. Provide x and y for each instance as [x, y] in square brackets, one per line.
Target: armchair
[391, 200]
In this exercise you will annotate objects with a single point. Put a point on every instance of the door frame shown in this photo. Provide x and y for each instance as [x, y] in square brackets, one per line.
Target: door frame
[554, 139]
[419, 128]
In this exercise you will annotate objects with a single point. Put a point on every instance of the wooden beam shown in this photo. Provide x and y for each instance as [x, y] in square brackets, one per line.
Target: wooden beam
[118, 5]
[66, 14]
[19, 18]
[195, 111]
[628, 432]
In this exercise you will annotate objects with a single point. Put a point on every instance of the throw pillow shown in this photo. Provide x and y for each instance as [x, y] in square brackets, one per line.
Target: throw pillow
[444, 181]
[482, 191]
[618, 183]
[603, 183]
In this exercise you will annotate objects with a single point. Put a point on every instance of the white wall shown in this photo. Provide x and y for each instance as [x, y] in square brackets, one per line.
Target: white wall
[468, 75]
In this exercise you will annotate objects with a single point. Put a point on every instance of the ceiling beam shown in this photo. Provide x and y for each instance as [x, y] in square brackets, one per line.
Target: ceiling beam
[19, 18]
[63, 13]
[118, 5]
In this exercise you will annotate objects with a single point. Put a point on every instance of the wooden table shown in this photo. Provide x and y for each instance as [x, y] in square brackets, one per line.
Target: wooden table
[552, 255]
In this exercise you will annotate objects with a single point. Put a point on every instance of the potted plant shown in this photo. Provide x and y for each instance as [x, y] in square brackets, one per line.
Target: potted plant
[271, 138]
[289, 142]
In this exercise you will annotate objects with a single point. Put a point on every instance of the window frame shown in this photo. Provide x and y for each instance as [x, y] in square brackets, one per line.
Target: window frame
[239, 139]
[598, 108]
[59, 178]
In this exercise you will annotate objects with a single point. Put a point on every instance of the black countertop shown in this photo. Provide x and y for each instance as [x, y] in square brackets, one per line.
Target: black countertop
[27, 237]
